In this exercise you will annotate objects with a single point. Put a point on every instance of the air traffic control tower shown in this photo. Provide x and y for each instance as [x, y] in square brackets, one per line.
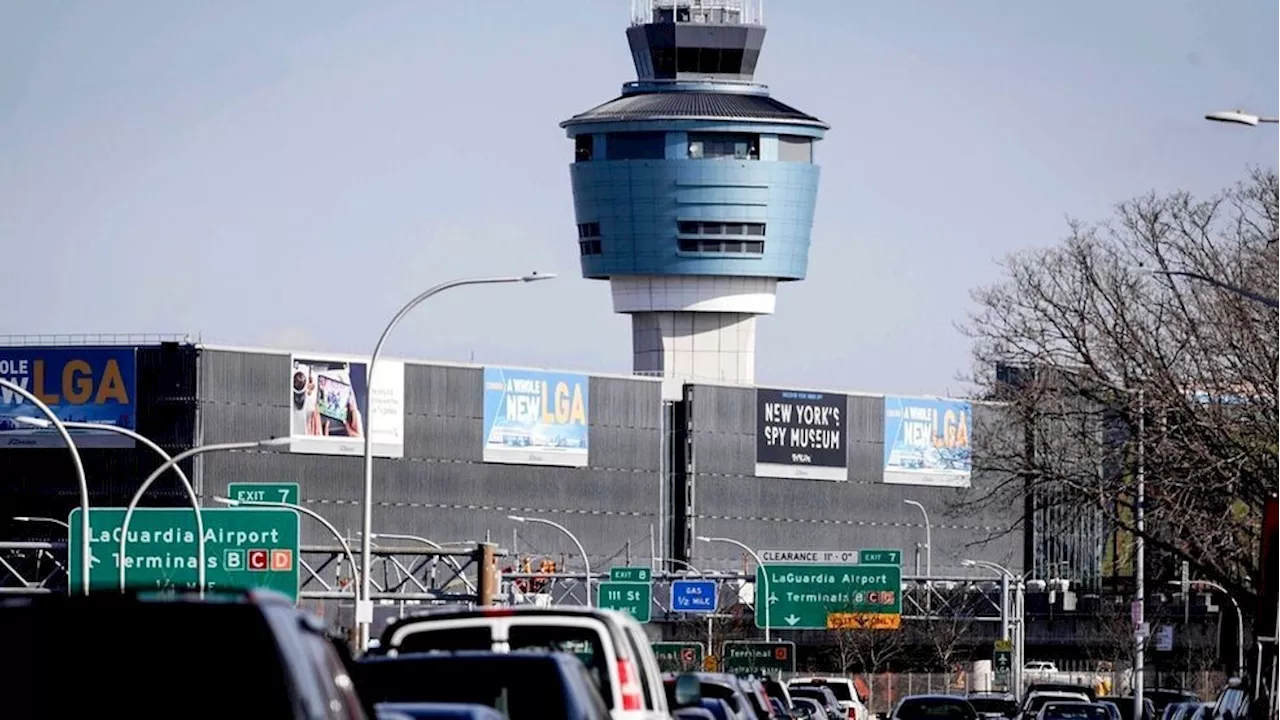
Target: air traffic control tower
[694, 190]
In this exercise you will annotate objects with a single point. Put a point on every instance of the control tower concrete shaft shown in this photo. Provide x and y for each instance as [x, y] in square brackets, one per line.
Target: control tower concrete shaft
[694, 190]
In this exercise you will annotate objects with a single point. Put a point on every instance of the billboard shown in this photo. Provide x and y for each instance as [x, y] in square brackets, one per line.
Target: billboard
[926, 441]
[327, 401]
[533, 417]
[80, 384]
[801, 435]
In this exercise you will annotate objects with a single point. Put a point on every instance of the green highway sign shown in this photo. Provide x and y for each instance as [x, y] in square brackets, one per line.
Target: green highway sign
[1002, 666]
[264, 492]
[817, 597]
[634, 598]
[630, 574]
[880, 557]
[758, 657]
[244, 548]
[680, 656]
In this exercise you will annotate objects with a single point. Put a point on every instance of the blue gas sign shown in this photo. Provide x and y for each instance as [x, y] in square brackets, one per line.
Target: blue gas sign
[693, 596]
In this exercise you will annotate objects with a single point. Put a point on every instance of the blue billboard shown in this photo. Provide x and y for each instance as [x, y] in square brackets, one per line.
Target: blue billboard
[532, 417]
[80, 384]
[927, 441]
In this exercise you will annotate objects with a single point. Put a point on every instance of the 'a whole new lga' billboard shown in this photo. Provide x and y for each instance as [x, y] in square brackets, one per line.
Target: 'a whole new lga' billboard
[927, 441]
[79, 384]
[803, 435]
[327, 400]
[535, 417]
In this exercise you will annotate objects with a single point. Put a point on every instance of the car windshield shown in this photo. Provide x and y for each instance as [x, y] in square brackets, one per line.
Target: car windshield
[840, 690]
[1075, 711]
[933, 709]
[108, 651]
[521, 688]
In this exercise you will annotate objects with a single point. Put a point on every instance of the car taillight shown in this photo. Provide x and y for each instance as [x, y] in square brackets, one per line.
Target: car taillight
[497, 611]
[629, 684]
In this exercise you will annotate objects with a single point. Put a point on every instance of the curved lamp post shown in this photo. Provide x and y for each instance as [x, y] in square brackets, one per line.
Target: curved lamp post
[928, 538]
[351, 558]
[173, 462]
[364, 606]
[85, 561]
[1239, 618]
[763, 573]
[586, 563]
[164, 457]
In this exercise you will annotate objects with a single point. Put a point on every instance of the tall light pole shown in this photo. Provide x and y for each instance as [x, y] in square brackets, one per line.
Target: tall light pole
[351, 557]
[1140, 562]
[764, 573]
[586, 563]
[364, 603]
[928, 538]
[164, 458]
[1239, 619]
[173, 462]
[38, 404]
[1009, 615]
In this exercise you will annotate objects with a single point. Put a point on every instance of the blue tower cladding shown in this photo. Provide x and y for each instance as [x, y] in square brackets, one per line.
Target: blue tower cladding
[694, 191]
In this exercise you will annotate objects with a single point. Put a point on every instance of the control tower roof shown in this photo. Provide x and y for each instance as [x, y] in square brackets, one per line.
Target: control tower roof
[695, 106]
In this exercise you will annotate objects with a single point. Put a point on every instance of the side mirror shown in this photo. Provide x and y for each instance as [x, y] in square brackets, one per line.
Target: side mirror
[688, 690]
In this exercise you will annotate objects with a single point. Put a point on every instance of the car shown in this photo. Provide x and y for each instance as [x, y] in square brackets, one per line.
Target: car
[843, 688]
[167, 654]
[933, 707]
[739, 700]
[611, 644]
[521, 685]
[1037, 699]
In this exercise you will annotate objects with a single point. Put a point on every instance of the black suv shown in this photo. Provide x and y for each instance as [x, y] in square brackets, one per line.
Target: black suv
[164, 655]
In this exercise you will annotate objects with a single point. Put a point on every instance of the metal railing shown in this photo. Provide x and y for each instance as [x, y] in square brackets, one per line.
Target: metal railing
[729, 12]
[84, 339]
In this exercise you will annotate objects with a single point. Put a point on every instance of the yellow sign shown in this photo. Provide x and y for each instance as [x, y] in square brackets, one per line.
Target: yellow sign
[1004, 646]
[710, 663]
[864, 621]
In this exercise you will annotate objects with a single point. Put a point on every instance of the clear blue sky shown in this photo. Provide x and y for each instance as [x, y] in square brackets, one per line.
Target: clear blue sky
[288, 173]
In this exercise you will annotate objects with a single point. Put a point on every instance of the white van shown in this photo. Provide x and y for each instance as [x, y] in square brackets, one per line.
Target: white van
[611, 644]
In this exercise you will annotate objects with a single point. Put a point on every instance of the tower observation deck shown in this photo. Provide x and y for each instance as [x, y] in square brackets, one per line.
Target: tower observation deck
[694, 190]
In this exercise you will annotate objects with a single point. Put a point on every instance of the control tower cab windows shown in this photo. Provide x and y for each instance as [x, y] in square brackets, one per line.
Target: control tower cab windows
[794, 148]
[737, 146]
[702, 236]
[584, 147]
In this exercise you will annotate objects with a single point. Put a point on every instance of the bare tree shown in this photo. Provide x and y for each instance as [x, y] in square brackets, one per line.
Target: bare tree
[946, 633]
[1082, 339]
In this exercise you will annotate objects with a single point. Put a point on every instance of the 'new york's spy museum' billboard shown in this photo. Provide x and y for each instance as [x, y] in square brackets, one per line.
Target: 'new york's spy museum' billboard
[926, 441]
[79, 384]
[801, 435]
[534, 417]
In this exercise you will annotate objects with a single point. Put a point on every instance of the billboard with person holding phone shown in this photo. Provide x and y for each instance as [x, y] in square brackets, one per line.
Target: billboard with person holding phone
[327, 401]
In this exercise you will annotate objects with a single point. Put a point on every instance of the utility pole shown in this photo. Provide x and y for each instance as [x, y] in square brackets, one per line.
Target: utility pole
[1140, 562]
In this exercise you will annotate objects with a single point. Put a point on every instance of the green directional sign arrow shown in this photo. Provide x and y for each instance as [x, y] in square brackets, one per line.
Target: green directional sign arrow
[816, 597]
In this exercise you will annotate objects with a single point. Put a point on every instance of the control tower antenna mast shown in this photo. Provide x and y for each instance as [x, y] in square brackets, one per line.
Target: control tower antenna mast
[694, 190]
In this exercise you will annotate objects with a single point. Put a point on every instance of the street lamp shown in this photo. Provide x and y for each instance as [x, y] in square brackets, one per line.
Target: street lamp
[928, 538]
[1018, 638]
[1239, 619]
[164, 457]
[692, 568]
[763, 573]
[173, 462]
[53, 521]
[364, 605]
[351, 558]
[1239, 117]
[586, 563]
[85, 562]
